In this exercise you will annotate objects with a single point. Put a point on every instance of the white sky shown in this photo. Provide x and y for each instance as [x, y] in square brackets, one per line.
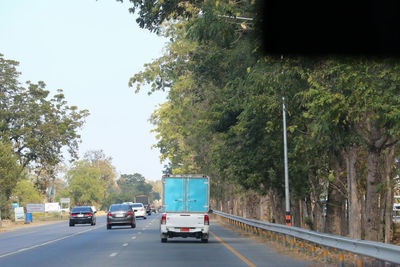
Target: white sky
[90, 49]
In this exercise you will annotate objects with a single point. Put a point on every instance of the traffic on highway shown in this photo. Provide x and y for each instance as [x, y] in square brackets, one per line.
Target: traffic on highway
[57, 244]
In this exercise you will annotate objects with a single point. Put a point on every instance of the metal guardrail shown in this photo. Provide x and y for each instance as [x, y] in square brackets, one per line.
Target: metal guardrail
[377, 250]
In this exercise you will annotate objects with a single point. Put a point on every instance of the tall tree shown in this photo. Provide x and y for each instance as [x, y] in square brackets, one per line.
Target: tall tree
[38, 127]
[10, 173]
[86, 186]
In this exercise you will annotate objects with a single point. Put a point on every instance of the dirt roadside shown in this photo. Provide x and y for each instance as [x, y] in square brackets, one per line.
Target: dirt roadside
[8, 226]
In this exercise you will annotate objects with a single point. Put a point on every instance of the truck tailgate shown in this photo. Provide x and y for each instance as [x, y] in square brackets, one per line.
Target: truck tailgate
[185, 220]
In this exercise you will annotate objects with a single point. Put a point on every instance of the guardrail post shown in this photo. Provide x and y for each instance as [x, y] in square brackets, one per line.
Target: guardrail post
[341, 259]
[302, 246]
[313, 250]
[292, 240]
[277, 238]
[284, 240]
[359, 261]
[325, 254]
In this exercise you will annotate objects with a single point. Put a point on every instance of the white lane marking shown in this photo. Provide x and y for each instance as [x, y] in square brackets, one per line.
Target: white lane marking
[47, 242]
[139, 233]
[133, 237]
[124, 245]
[113, 254]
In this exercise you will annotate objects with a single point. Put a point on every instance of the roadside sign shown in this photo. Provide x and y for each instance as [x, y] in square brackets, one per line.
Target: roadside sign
[35, 208]
[19, 214]
[52, 207]
[65, 200]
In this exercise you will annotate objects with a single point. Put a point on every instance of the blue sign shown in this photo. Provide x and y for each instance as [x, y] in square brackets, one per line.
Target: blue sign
[14, 205]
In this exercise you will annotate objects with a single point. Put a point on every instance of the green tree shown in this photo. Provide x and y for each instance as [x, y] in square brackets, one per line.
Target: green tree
[26, 192]
[134, 184]
[100, 161]
[38, 127]
[86, 186]
[10, 173]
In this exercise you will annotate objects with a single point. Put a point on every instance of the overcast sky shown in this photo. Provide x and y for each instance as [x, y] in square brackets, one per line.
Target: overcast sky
[90, 49]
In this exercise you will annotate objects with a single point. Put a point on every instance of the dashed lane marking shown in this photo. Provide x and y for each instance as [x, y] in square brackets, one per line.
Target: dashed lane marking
[124, 245]
[113, 254]
[133, 237]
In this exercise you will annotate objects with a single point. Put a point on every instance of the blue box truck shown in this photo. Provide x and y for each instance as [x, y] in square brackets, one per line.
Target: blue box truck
[185, 205]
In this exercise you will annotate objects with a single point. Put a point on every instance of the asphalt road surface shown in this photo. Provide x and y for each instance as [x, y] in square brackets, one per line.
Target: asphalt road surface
[84, 245]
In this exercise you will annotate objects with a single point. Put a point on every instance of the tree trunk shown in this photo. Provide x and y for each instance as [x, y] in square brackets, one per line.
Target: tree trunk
[309, 211]
[277, 208]
[301, 213]
[382, 200]
[336, 198]
[389, 160]
[354, 201]
[334, 210]
[372, 197]
[363, 215]
[295, 214]
[344, 220]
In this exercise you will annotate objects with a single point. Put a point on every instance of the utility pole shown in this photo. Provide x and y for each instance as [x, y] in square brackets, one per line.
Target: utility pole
[287, 195]
[287, 200]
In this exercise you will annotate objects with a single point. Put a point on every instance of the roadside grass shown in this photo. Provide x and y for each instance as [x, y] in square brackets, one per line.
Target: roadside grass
[50, 216]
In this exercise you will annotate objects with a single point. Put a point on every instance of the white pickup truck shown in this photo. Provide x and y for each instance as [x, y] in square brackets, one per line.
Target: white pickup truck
[185, 203]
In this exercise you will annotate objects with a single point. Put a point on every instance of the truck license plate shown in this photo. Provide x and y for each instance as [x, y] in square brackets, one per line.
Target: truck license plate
[184, 229]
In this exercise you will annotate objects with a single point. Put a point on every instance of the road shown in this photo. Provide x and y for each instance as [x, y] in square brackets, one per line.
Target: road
[84, 245]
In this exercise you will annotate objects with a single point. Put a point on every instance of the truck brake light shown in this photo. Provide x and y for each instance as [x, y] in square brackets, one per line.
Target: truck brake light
[164, 219]
[206, 220]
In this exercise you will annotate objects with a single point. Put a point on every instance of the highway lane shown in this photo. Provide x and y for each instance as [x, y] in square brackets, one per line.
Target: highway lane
[123, 246]
[36, 235]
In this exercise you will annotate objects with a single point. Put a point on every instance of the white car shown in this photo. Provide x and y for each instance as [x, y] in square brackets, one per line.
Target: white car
[139, 209]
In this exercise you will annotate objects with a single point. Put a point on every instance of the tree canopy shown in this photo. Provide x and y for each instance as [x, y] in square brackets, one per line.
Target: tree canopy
[223, 115]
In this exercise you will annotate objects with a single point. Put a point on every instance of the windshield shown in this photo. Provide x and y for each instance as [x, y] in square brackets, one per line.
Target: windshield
[122, 207]
[137, 205]
[81, 209]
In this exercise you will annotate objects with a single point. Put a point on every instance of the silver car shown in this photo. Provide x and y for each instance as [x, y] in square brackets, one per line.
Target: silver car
[120, 214]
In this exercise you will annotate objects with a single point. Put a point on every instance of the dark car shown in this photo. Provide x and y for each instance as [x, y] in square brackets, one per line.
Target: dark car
[120, 214]
[82, 215]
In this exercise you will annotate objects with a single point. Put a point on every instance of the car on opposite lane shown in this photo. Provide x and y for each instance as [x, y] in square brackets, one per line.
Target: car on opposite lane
[121, 214]
[82, 215]
[140, 210]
